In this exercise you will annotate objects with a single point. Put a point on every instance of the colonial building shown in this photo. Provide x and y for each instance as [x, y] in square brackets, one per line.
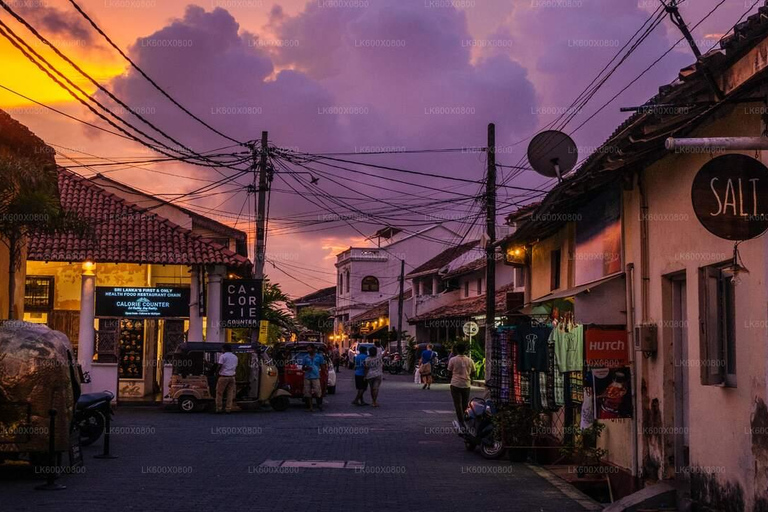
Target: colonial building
[451, 292]
[131, 287]
[370, 275]
[621, 240]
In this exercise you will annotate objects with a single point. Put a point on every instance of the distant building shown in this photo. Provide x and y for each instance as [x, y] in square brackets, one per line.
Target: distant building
[324, 299]
[369, 275]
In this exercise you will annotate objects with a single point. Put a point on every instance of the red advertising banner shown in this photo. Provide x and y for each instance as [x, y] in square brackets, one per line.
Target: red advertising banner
[606, 348]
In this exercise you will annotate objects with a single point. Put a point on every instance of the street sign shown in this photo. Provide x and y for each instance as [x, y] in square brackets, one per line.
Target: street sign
[241, 303]
[142, 302]
[471, 328]
[730, 197]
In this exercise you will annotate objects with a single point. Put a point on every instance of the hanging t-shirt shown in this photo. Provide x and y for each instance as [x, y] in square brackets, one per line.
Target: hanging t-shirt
[569, 348]
[532, 346]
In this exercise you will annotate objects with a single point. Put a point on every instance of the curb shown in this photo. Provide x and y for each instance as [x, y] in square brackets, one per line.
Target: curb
[567, 489]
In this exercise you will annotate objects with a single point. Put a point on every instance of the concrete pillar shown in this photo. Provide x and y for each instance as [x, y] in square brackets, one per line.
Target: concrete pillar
[214, 331]
[195, 320]
[87, 338]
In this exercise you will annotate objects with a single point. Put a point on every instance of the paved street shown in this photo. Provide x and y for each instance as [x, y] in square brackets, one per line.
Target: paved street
[401, 456]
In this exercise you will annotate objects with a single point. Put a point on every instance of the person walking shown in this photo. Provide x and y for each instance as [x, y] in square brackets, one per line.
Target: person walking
[226, 383]
[336, 355]
[311, 363]
[425, 368]
[373, 373]
[461, 368]
[360, 383]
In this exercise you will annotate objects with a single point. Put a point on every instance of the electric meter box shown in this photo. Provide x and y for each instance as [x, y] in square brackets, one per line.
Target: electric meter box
[646, 338]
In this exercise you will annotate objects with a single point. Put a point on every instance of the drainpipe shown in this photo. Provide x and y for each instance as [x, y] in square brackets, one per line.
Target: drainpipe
[630, 279]
[644, 250]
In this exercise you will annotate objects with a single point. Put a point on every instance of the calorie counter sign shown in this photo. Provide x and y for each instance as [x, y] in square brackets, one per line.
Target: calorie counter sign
[241, 303]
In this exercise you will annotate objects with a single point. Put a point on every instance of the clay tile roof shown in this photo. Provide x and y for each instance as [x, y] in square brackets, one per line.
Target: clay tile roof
[122, 233]
[467, 268]
[444, 258]
[466, 308]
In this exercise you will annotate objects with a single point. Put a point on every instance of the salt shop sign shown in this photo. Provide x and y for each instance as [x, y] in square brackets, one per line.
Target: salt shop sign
[730, 197]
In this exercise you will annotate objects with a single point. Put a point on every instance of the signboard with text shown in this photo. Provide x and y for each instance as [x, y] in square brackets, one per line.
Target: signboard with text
[241, 303]
[606, 348]
[730, 197]
[142, 302]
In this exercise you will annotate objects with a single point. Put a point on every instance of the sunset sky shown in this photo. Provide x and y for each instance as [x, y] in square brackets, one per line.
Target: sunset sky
[342, 76]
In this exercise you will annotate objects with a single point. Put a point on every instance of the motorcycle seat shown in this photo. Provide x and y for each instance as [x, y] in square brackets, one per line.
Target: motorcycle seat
[89, 399]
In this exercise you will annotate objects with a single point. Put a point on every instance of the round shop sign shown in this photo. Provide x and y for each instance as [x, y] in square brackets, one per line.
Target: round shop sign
[471, 328]
[730, 197]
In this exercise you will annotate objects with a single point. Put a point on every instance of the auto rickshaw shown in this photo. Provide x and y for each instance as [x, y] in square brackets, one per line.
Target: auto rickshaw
[193, 382]
[291, 372]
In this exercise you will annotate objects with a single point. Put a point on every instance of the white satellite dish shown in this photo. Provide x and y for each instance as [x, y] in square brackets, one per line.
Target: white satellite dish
[552, 154]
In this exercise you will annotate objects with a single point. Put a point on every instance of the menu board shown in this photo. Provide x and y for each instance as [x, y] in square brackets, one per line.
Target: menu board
[131, 349]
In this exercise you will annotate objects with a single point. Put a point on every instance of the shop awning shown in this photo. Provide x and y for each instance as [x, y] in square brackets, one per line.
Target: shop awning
[533, 307]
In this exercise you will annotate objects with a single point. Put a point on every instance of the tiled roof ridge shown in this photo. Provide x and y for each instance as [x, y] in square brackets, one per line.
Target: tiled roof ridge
[157, 217]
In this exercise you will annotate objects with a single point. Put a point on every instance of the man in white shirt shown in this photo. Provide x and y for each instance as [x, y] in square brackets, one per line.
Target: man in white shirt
[461, 368]
[226, 383]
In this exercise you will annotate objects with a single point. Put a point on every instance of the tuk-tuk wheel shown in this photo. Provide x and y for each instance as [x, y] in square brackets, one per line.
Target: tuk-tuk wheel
[187, 403]
[280, 403]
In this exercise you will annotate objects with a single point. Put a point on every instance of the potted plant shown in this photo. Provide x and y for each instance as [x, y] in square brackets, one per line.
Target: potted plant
[583, 449]
[516, 425]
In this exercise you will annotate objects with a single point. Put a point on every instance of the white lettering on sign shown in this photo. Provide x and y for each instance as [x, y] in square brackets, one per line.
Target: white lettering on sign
[606, 345]
[729, 199]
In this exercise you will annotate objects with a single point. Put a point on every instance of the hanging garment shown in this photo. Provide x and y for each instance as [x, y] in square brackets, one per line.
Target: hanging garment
[569, 348]
[506, 387]
[532, 344]
[577, 386]
[587, 410]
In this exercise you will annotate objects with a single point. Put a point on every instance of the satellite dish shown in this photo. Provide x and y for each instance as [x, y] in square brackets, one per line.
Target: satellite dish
[552, 154]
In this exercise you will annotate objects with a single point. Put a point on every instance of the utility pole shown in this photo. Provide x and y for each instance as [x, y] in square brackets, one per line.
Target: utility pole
[260, 185]
[400, 309]
[679, 22]
[490, 255]
[261, 212]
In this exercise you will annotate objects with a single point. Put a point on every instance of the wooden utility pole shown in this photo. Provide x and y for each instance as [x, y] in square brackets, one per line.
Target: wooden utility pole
[400, 309]
[261, 212]
[259, 187]
[679, 22]
[490, 252]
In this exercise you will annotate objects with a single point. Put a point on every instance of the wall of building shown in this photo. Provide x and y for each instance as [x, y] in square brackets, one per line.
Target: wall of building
[541, 252]
[4, 277]
[729, 458]
[414, 250]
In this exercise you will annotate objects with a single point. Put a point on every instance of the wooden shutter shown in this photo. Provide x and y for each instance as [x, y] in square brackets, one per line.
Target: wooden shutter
[711, 348]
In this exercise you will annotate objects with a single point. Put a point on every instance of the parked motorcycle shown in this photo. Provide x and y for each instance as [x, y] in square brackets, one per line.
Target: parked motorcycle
[440, 369]
[394, 364]
[478, 429]
[91, 412]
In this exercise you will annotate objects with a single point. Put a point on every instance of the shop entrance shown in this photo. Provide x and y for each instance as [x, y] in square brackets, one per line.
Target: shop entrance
[142, 347]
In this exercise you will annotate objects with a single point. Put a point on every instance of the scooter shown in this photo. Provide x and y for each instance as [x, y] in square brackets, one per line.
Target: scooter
[393, 363]
[478, 429]
[91, 410]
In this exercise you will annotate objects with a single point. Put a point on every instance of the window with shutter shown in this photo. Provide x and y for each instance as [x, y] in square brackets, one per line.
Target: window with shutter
[717, 343]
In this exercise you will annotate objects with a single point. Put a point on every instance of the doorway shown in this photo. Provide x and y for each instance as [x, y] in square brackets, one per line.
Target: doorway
[679, 330]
